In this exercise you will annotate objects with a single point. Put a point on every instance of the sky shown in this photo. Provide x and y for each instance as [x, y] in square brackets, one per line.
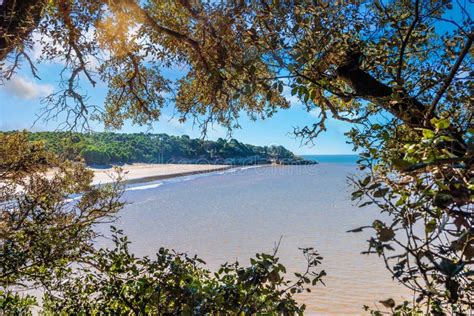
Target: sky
[21, 102]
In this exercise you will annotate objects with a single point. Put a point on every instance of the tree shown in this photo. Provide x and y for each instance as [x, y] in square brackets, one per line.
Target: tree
[40, 231]
[95, 155]
[175, 284]
[46, 242]
[399, 71]
[115, 148]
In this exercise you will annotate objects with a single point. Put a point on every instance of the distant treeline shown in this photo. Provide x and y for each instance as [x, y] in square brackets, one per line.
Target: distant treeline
[117, 148]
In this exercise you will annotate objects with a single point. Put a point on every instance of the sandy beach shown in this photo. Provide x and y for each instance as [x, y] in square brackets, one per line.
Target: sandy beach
[147, 172]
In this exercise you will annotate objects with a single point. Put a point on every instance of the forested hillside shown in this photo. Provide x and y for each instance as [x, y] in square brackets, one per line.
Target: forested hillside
[108, 148]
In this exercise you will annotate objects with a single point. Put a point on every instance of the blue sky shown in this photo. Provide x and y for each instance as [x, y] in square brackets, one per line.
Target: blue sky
[21, 103]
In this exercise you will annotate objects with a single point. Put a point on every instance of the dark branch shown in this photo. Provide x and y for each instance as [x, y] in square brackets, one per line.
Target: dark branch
[452, 73]
[405, 41]
[397, 102]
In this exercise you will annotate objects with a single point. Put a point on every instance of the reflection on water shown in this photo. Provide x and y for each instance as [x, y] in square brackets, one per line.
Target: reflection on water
[233, 215]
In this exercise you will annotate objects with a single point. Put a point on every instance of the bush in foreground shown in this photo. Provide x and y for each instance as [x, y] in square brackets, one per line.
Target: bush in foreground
[47, 243]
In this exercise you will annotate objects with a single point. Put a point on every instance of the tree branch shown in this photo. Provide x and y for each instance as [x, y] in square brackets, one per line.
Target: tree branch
[17, 20]
[452, 73]
[405, 41]
[404, 107]
[148, 19]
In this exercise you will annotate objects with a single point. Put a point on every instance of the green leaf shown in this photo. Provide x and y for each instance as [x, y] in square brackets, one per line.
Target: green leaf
[442, 199]
[401, 164]
[356, 195]
[365, 181]
[358, 229]
[381, 192]
[247, 89]
[440, 123]
[450, 268]
[280, 88]
[385, 234]
[430, 226]
[427, 133]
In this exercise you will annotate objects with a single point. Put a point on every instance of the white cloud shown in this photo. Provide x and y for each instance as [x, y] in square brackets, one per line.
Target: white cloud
[25, 88]
[293, 99]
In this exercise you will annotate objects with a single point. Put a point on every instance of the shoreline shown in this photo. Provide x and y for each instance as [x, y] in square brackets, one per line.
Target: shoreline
[141, 173]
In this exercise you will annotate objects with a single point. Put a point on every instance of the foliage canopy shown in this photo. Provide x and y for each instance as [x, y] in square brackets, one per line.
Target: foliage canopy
[401, 71]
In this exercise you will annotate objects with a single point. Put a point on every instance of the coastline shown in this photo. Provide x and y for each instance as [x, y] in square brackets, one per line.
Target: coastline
[147, 172]
[140, 172]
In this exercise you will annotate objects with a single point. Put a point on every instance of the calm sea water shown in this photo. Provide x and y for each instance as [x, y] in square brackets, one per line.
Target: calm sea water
[339, 159]
[224, 216]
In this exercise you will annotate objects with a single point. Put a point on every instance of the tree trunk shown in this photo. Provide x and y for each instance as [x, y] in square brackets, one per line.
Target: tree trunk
[398, 103]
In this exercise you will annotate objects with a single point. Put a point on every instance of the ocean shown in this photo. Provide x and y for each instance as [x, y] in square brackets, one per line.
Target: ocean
[339, 159]
[233, 214]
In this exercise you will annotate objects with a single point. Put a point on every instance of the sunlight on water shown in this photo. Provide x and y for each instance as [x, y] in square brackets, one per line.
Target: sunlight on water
[232, 215]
